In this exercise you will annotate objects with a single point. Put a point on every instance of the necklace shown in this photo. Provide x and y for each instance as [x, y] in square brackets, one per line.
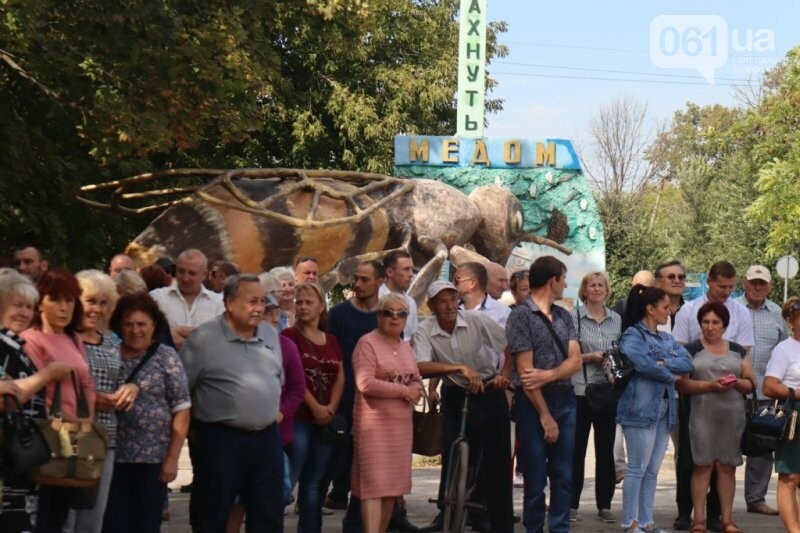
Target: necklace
[394, 345]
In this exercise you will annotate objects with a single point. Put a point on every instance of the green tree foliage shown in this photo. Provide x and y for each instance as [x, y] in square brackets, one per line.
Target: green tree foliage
[726, 186]
[94, 90]
[777, 123]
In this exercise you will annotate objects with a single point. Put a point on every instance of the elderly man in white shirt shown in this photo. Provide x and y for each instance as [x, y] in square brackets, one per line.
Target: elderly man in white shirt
[187, 303]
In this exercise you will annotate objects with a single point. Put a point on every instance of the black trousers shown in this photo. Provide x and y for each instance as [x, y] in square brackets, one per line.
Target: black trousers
[488, 431]
[685, 465]
[53, 509]
[604, 472]
[231, 462]
[135, 499]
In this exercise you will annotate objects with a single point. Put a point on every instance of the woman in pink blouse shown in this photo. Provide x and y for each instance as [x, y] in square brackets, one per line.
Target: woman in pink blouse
[53, 337]
[387, 385]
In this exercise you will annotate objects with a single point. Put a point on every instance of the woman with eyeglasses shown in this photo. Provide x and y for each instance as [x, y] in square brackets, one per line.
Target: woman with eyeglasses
[388, 384]
[322, 363]
[782, 375]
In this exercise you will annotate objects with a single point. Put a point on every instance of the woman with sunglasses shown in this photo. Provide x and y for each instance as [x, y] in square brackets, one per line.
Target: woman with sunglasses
[322, 363]
[783, 375]
[387, 385]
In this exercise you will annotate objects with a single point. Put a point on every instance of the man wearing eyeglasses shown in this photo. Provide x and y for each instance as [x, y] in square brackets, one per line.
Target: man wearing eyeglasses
[461, 343]
[769, 329]
[472, 281]
[306, 270]
[670, 277]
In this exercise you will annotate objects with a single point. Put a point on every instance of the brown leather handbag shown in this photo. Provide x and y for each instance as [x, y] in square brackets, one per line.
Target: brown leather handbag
[427, 430]
[78, 449]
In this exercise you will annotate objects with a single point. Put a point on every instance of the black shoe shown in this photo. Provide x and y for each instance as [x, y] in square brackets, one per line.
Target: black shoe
[517, 519]
[713, 524]
[186, 489]
[436, 525]
[400, 523]
[682, 523]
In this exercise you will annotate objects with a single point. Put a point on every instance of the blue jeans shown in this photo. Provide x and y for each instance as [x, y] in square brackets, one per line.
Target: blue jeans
[230, 461]
[646, 447]
[541, 461]
[309, 461]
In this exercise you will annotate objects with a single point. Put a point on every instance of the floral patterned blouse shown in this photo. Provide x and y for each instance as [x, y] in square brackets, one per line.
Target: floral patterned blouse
[143, 433]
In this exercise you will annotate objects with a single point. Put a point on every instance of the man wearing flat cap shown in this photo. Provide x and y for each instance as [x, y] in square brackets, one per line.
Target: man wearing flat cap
[769, 329]
[464, 344]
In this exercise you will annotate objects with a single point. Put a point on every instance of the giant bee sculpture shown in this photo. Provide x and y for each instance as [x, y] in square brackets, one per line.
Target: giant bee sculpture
[262, 218]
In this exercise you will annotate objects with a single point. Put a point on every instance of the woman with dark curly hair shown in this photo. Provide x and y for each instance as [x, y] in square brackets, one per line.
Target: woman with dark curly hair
[151, 432]
[722, 373]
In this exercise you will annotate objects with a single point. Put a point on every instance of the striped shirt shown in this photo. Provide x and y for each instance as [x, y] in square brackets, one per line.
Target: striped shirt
[769, 329]
[594, 337]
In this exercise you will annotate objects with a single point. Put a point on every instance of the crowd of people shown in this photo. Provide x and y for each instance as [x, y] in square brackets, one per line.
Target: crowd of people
[280, 396]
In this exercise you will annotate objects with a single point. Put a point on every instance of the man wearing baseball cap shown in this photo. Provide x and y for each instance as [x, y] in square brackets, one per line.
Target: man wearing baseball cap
[462, 344]
[769, 329]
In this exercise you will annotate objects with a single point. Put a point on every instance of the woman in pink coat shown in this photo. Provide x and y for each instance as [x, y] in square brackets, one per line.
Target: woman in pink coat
[388, 384]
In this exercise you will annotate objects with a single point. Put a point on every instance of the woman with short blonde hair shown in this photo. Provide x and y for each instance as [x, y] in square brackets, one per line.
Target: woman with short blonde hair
[387, 385]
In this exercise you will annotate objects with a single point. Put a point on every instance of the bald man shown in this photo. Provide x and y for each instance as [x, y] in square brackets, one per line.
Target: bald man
[498, 280]
[119, 263]
[643, 277]
[187, 303]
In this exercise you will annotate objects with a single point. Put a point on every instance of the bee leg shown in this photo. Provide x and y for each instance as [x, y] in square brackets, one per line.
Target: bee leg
[430, 270]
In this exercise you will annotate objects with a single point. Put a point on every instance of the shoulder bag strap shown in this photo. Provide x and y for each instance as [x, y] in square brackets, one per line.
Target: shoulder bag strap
[82, 405]
[150, 353]
[55, 406]
[553, 333]
[578, 316]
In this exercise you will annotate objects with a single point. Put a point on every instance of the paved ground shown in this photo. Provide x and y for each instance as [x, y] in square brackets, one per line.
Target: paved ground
[426, 482]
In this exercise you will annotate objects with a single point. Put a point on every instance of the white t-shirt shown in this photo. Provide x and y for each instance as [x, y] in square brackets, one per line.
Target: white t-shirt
[740, 328]
[785, 363]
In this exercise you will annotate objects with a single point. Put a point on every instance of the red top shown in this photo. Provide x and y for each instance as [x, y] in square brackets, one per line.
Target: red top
[44, 348]
[321, 365]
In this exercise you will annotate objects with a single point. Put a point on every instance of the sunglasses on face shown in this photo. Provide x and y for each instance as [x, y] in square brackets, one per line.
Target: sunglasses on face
[673, 277]
[795, 306]
[388, 313]
[304, 258]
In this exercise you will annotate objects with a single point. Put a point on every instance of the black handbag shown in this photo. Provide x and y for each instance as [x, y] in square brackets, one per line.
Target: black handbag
[617, 368]
[24, 446]
[427, 439]
[768, 426]
[600, 397]
[335, 430]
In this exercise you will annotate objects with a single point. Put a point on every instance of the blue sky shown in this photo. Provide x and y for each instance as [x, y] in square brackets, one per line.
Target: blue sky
[615, 36]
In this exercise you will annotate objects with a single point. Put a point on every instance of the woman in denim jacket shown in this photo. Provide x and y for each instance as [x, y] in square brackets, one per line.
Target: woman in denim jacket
[647, 407]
